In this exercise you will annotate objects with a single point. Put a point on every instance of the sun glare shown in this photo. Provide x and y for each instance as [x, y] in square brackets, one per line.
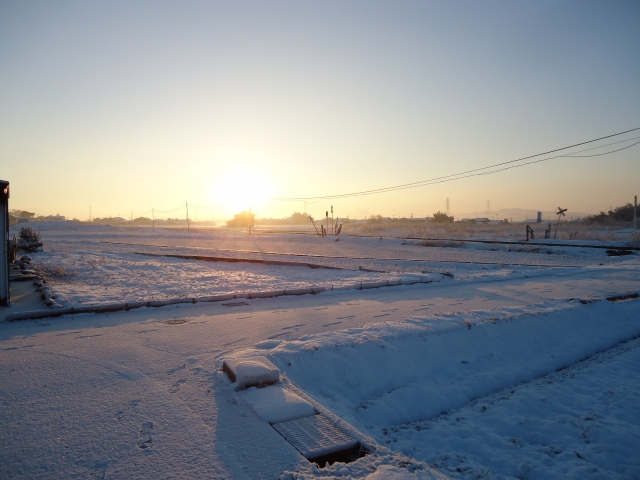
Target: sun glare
[242, 189]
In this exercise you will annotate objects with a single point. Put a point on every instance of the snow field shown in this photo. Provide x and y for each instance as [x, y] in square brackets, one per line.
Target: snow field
[89, 264]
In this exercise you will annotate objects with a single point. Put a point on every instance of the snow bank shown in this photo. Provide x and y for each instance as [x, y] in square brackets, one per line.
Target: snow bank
[579, 423]
[401, 372]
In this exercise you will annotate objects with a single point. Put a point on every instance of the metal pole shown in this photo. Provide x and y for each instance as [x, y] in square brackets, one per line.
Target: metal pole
[153, 222]
[332, 228]
[635, 209]
[187, 204]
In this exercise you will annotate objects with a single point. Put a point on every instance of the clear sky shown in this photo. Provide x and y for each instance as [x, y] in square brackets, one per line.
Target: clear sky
[129, 105]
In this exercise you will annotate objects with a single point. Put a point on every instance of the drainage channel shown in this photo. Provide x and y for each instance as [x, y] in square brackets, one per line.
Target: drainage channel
[320, 441]
[311, 265]
[296, 419]
[240, 260]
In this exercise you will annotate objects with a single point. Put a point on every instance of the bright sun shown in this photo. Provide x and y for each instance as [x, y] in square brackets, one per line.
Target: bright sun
[242, 189]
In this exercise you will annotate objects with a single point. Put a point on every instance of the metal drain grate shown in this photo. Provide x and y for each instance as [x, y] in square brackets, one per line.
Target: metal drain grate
[315, 436]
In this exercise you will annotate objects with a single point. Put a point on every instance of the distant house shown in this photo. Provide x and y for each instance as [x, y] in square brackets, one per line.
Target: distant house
[51, 218]
[242, 219]
[482, 220]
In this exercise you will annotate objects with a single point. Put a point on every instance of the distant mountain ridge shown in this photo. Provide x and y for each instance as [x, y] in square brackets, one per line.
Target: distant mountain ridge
[519, 214]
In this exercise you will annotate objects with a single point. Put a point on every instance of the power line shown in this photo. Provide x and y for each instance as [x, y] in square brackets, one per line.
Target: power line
[468, 173]
[600, 154]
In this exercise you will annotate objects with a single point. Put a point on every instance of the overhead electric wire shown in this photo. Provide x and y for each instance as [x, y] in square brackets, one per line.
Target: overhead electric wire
[468, 173]
[600, 154]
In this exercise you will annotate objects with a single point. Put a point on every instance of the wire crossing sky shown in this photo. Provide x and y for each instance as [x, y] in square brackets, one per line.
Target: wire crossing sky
[458, 176]
[119, 107]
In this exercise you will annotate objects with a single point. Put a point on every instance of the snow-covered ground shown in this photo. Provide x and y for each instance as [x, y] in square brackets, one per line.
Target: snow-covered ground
[93, 264]
[471, 393]
[517, 367]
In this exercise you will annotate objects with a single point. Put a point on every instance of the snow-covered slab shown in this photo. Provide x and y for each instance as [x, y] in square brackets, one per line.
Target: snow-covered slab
[315, 436]
[276, 404]
[251, 372]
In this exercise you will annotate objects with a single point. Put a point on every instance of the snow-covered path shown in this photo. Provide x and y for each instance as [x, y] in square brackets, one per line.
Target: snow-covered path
[139, 394]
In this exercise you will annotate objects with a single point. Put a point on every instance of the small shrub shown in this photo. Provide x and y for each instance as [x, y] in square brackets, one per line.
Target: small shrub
[440, 217]
[29, 240]
[57, 272]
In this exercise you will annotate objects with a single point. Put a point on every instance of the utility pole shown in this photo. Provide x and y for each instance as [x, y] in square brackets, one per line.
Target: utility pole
[488, 207]
[635, 210]
[447, 205]
[327, 215]
[153, 221]
[187, 204]
[332, 229]
[131, 217]
[90, 214]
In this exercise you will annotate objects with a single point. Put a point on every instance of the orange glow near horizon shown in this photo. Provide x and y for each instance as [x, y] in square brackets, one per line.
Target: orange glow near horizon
[242, 189]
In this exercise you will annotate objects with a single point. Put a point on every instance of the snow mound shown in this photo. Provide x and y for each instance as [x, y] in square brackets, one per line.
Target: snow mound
[251, 372]
[276, 404]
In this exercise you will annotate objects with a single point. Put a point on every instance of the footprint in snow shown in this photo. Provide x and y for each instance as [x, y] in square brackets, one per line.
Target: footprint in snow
[176, 369]
[126, 410]
[144, 437]
[176, 386]
[98, 472]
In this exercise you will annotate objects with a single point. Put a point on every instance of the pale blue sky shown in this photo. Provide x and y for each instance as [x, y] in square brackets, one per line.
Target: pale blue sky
[131, 105]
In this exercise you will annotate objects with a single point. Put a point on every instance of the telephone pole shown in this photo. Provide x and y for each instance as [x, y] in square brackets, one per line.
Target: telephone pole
[635, 210]
[332, 219]
[187, 204]
[447, 205]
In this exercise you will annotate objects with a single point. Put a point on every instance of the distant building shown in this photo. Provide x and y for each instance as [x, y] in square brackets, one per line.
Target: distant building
[242, 219]
[50, 218]
[482, 220]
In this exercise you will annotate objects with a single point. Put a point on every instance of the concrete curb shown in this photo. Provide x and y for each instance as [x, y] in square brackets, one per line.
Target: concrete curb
[118, 307]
